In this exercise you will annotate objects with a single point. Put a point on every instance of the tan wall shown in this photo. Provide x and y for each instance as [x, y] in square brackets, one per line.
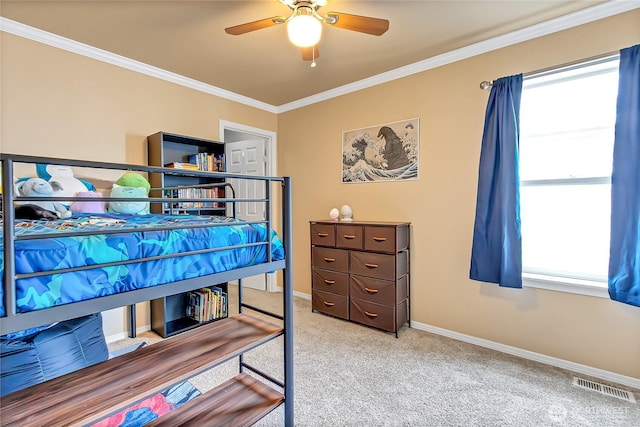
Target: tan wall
[58, 103]
[441, 204]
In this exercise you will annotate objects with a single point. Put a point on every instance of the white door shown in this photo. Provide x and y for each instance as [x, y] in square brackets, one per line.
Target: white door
[248, 158]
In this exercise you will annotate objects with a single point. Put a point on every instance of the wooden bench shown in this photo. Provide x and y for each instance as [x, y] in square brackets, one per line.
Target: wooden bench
[93, 393]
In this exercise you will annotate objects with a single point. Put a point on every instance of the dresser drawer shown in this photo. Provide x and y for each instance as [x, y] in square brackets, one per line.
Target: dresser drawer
[376, 315]
[380, 239]
[386, 239]
[323, 234]
[330, 259]
[330, 303]
[380, 266]
[331, 281]
[349, 236]
[379, 291]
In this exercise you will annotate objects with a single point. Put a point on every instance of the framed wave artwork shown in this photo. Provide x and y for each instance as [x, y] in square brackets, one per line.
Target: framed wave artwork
[387, 152]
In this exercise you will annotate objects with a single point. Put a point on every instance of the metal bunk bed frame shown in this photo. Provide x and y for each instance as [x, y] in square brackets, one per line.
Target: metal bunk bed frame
[14, 321]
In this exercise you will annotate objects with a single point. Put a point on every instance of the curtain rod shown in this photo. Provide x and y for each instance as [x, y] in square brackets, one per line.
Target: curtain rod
[486, 85]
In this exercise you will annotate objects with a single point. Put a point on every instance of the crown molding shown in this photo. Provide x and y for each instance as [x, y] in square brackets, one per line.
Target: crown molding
[600, 11]
[22, 30]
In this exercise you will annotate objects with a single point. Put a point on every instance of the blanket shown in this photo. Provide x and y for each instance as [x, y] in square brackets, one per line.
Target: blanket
[152, 407]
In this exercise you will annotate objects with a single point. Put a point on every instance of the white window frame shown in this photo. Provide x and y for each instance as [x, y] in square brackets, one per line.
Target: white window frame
[594, 288]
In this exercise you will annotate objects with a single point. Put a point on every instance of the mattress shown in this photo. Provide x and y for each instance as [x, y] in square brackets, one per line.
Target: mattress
[139, 241]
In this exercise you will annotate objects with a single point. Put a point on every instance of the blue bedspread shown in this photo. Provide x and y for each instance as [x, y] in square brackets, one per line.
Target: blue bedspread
[61, 252]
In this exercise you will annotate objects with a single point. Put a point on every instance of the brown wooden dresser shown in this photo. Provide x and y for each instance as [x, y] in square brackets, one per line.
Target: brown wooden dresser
[360, 272]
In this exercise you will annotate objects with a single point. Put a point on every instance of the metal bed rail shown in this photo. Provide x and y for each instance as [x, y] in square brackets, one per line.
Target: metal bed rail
[14, 321]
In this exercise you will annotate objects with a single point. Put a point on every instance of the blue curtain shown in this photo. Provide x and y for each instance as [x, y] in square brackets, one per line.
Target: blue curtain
[496, 255]
[624, 259]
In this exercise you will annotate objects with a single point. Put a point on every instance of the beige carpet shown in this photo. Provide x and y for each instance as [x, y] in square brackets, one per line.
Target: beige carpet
[351, 375]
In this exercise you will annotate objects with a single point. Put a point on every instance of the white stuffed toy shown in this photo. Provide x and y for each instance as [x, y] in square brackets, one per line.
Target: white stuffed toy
[38, 187]
[62, 174]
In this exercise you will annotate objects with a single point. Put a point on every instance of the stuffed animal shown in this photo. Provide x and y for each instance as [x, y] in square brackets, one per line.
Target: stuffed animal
[98, 206]
[64, 176]
[34, 212]
[131, 179]
[38, 187]
[135, 208]
[130, 185]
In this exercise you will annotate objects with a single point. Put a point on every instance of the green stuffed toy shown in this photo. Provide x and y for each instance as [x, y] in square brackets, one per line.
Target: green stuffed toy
[136, 180]
[130, 185]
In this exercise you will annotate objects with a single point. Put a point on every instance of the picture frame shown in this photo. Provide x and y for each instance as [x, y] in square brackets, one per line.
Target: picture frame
[381, 153]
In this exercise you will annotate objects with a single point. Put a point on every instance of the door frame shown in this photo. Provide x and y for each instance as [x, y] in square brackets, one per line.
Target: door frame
[271, 166]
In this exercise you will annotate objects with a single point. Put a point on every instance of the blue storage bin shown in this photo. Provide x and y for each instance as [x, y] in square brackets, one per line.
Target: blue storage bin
[62, 348]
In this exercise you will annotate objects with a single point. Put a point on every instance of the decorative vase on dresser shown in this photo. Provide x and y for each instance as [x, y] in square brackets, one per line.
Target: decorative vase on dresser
[360, 272]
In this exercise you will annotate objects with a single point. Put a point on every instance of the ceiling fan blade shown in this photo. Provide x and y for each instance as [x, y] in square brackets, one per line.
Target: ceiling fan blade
[310, 53]
[362, 24]
[255, 25]
[289, 3]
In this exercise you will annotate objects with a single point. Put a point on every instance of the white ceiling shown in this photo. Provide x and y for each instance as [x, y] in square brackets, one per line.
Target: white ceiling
[188, 38]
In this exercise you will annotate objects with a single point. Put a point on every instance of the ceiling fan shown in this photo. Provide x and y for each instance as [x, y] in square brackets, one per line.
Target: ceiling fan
[304, 25]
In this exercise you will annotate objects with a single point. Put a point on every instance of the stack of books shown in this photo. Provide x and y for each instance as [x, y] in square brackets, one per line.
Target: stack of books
[207, 162]
[181, 165]
[207, 304]
[196, 193]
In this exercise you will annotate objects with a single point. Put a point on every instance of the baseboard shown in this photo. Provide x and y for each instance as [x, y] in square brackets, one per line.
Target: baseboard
[525, 354]
[295, 293]
[122, 335]
[530, 355]
[302, 295]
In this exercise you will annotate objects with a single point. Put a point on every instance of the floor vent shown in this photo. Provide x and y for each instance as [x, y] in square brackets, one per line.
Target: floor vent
[604, 389]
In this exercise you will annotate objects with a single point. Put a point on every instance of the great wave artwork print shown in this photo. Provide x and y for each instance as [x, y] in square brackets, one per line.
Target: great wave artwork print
[387, 152]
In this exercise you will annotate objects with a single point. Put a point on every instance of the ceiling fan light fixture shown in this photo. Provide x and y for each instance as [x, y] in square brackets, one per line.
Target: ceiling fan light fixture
[304, 30]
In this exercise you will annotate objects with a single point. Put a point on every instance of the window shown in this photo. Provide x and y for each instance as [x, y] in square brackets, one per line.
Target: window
[567, 121]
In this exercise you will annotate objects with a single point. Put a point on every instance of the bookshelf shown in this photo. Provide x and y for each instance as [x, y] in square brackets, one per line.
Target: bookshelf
[171, 315]
[186, 153]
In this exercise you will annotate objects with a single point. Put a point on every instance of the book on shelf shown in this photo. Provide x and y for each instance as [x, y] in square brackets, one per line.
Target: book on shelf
[193, 307]
[204, 307]
[207, 304]
[207, 162]
[220, 305]
[181, 165]
[202, 193]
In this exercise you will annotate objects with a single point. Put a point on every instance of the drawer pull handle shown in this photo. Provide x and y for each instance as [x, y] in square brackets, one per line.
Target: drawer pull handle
[380, 239]
[329, 282]
[371, 265]
[329, 259]
[329, 304]
[370, 314]
[349, 236]
[371, 291]
[323, 234]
